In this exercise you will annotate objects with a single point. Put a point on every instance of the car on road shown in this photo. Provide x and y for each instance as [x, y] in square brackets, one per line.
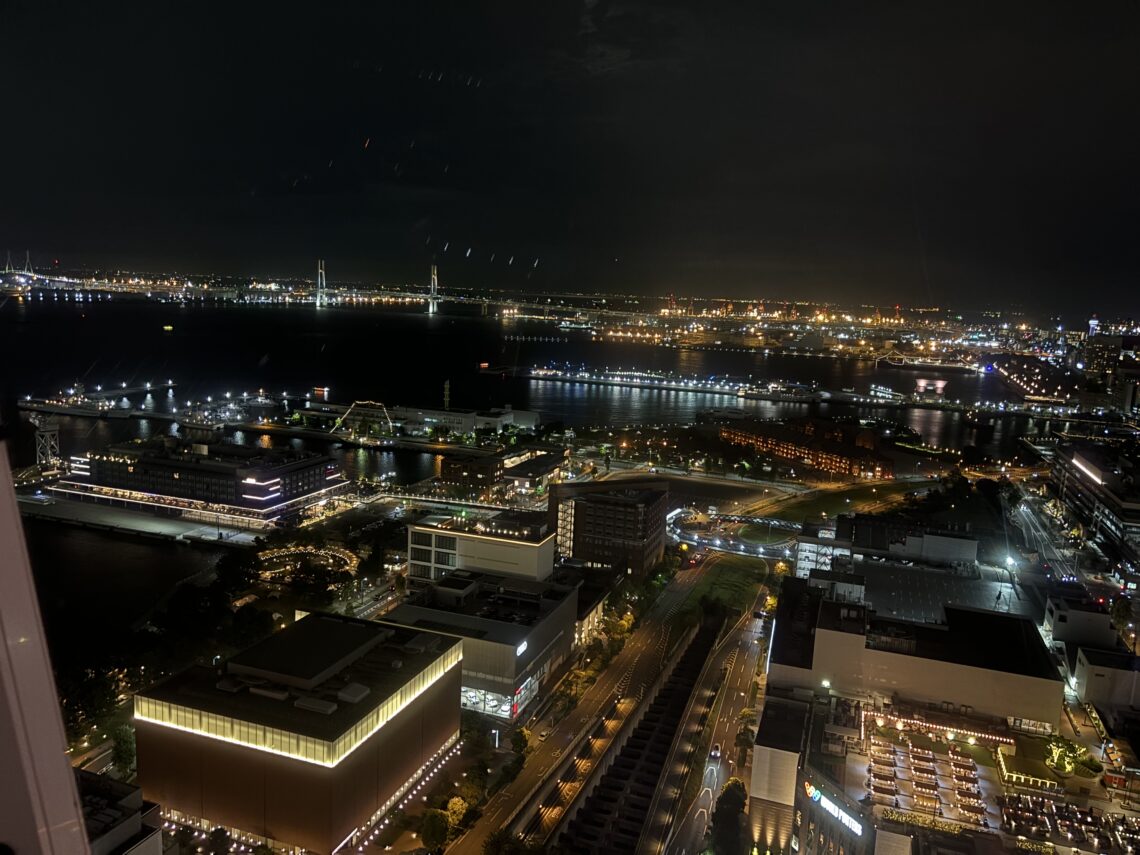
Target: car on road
[542, 736]
[715, 753]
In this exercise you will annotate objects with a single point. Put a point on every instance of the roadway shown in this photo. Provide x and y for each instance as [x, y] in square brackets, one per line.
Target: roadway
[634, 668]
[731, 671]
[1039, 537]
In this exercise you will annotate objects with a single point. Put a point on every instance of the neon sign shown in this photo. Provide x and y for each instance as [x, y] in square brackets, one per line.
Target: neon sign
[816, 795]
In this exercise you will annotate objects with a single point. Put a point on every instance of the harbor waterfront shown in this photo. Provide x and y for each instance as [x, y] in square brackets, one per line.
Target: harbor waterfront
[294, 350]
[289, 352]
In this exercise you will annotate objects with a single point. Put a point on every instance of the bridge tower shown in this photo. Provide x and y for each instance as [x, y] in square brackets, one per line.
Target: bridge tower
[322, 297]
[8, 263]
[28, 262]
[47, 440]
[433, 297]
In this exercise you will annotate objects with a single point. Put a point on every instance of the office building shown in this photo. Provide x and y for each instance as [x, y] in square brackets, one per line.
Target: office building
[884, 537]
[474, 471]
[1107, 679]
[515, 631]
[1080, 622]
[304, 740]
[238, 485]
[606, 525]
[1098, 485]
[535, 474]
[511, 543]
[117, 819]
[1103, 353]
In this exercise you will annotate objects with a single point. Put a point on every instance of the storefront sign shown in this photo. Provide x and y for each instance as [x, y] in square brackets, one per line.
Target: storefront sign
[832, 808]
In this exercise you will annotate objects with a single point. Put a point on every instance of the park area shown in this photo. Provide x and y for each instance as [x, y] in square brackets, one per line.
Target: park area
[731, 582]
[862, 498]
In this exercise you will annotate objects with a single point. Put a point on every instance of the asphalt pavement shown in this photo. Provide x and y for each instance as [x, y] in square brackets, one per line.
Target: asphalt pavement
[635, 667]
[732, 671]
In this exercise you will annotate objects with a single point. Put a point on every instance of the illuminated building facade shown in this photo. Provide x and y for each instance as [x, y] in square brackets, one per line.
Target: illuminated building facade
[511, 543]
[1098, 484]
[305, 740]
[471, 470]
[241, 483]
[516, 632]
[816, 451]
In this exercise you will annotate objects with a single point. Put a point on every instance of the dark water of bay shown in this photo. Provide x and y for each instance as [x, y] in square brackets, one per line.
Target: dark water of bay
[399, 358]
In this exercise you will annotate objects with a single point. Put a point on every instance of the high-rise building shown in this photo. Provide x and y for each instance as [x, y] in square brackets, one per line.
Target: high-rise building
[623, 529]
[39, 805]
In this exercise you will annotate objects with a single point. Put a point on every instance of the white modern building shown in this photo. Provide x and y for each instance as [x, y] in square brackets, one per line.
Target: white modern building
[515, 544]
[516, 632]
[978, 663]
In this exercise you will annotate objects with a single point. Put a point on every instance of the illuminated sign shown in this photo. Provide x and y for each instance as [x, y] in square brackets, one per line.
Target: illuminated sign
[521, 649]
[832, 808]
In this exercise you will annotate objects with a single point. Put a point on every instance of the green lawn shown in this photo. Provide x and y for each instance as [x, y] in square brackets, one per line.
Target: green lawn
[761, 534]
[732, 581]
[844, 500]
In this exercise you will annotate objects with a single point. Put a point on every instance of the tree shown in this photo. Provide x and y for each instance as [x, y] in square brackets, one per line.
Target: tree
[747, 716]
[498, 842]
[1122, 611]
[218, 843]
[745, 737]
[456, 809]
[434, 828]
[1062, 754]
[520, 740]
[184, 837]
[123, 754]
[726, 817]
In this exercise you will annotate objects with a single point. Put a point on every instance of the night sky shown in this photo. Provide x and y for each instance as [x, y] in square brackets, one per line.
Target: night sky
[977, 153]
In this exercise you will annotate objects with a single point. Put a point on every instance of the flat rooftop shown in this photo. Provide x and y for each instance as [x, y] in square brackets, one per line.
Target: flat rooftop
[840, 576]
[1116, 660]
[921, 594]
[782, 724]
[536, 467]
[306, 652]
[974, 637]
[628, 496]
[469, 603]
[522, 526]
[978, 638]
[1079, 604]
[364, 665]
[220, 455]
